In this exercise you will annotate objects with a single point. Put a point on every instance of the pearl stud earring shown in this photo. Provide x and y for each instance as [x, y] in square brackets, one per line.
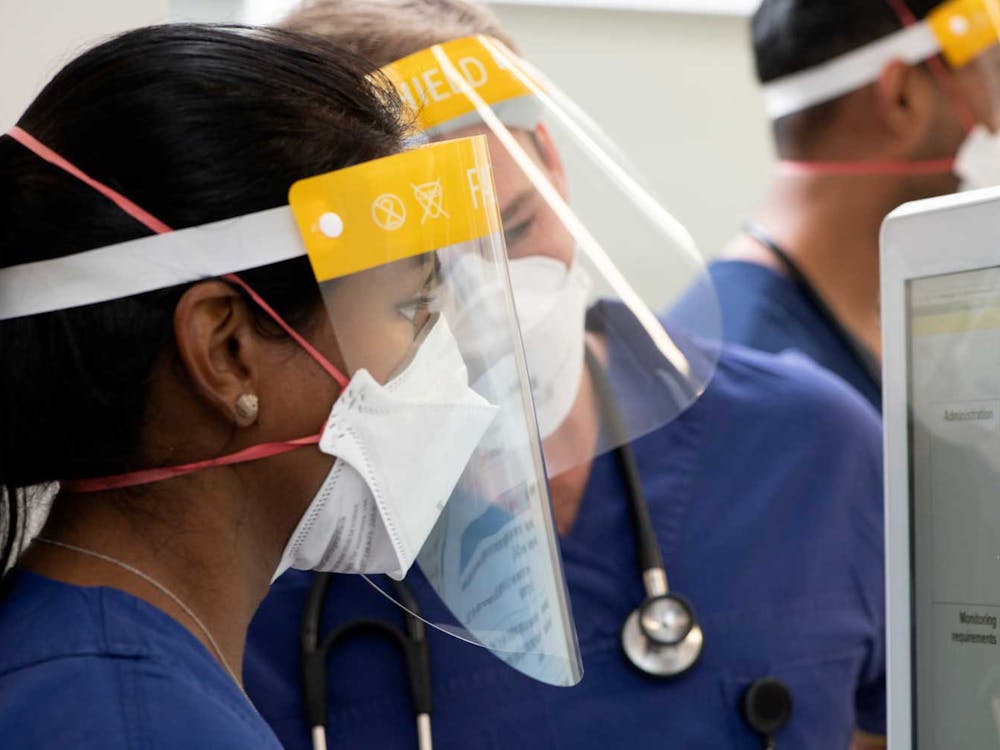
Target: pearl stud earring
[247, 407]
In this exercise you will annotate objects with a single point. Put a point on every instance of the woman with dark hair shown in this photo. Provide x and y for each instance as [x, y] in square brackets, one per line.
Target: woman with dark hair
[178, 406]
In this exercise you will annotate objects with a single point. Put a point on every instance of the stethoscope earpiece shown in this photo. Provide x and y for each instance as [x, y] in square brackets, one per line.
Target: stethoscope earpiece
[662, 637]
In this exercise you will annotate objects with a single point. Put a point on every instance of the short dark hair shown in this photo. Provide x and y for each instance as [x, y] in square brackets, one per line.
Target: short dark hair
[195, 124]
[794, 35]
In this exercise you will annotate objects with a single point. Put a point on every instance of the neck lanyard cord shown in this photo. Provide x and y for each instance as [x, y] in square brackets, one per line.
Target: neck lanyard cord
[861, 353]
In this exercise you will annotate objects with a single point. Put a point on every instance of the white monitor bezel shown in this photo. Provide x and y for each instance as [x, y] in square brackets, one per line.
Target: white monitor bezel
[932, 237]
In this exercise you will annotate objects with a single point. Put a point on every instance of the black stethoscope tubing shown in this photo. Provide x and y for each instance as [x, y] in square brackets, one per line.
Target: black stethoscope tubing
[315, 653]
[861, 353]
[662, 637]
[655, 650]
[766, 705]
[648, 555]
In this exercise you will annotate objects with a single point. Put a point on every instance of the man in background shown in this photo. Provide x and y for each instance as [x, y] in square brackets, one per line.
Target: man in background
[765, 499]
[804, 271]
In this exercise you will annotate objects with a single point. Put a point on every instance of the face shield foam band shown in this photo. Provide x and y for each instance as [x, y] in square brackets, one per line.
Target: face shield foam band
[959, 30]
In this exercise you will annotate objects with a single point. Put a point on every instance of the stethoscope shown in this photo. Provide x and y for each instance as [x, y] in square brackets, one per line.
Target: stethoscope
[662, 637]
[412, 642]
[861, 353]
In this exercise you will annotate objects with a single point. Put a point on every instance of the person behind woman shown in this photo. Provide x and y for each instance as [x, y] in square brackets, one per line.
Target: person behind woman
[764, 496]
[123, 624]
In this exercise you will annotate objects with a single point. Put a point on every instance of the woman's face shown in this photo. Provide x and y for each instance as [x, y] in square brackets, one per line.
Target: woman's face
[377, 314]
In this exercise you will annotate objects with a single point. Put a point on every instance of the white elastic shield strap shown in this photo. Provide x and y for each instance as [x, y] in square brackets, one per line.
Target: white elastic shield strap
[150, 263]
[848, 72]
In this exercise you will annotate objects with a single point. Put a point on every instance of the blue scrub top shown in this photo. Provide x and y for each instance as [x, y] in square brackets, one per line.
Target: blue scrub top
[766, 498]
[93, 668]
[766, 310]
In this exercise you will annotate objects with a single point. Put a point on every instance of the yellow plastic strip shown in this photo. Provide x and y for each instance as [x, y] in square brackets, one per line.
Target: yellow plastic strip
[965, 28]
[389, 209]
[434, 97]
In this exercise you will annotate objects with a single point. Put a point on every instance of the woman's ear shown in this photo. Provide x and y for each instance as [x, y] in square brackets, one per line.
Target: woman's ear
[217, 344]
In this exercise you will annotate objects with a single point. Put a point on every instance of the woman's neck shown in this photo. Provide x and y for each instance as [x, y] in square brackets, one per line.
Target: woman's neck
[202, 560]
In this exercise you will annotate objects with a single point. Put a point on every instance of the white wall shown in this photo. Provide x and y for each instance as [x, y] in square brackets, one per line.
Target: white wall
[38, 36]
[676, 90]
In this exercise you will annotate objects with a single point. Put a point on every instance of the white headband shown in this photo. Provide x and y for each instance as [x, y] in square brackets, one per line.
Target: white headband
[849, 72]
[150, 263]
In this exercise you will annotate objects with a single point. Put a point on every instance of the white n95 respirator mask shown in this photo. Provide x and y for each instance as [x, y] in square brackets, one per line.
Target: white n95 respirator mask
[401, 448]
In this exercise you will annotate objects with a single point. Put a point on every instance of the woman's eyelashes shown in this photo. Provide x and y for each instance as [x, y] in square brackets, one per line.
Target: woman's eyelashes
[418, 309]
[425, 303]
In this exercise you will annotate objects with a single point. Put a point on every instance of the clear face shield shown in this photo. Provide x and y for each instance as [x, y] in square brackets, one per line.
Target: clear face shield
[429, 466]
[469, 473]
[596, 262]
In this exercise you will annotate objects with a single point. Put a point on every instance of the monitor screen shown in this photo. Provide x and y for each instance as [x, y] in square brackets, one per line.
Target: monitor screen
[953, 325]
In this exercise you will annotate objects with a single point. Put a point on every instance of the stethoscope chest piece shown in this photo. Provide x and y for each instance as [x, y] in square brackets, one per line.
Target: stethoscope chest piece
[662, 637]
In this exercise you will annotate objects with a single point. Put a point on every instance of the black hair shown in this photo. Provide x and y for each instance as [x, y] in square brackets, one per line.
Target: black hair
[195, 124]
[794, 35]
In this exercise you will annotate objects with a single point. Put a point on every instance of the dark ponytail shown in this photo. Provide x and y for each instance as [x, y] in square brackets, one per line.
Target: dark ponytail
[194, 124]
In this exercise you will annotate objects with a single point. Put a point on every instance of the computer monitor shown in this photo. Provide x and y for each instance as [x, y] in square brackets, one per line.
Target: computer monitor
[941, 350]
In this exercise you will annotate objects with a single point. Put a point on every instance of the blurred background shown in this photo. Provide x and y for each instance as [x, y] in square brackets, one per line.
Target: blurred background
[670, 80]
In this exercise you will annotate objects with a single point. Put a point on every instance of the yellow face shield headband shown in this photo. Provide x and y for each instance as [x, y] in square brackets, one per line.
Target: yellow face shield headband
[348, 221]
[426, 82]
[958, 30]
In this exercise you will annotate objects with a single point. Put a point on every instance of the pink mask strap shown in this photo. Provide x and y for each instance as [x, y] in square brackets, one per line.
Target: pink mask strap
[322, 361]
[787, 168]
[902, 11]
[44, 152]
[149, 476]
